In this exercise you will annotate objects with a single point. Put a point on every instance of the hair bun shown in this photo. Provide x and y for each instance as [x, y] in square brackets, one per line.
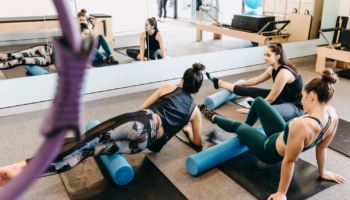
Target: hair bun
[328, 75]
[83, 11]
[197, 67]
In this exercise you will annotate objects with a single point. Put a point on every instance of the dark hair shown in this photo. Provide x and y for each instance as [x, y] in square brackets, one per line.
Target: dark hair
[82, 13]
[323, 87]
[278, 50]
[193, 78]
[153, 22]
[83, 26]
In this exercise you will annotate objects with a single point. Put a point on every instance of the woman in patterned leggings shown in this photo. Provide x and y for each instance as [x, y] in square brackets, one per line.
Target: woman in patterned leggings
[163, 115]
[37, 55]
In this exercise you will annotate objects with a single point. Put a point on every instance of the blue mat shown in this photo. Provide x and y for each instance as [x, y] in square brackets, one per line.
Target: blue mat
[219, 98]
[117, 166]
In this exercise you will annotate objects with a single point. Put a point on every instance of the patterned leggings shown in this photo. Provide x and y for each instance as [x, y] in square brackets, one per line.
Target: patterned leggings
[130, 134]
[38, 55]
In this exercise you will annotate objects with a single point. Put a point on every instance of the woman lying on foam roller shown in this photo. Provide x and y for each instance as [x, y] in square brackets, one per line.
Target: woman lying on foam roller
[303, 133]
[163, 115]
[155, 46]
[285, 95]
[37, 55]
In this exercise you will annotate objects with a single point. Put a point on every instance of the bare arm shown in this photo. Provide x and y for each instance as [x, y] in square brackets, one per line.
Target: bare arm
[297, 134]
[262, 78]
[195, 134]
[142, 45]
[321, 154]
[161, 44]
[281, 80]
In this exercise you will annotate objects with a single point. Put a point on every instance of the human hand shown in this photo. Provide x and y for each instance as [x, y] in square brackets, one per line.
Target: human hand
[242, 111]
[328, 175]
[8, 173]
[277, 196]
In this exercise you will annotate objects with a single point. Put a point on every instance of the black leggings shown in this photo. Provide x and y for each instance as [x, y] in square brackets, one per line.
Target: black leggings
[133, 53]
[129, 133]
[286, 109]
[162, 5]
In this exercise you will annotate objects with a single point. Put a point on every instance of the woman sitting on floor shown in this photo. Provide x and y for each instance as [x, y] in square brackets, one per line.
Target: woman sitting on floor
[163, 115]
[155, 46]
[86, 32]
[285, 95]
[286, 141]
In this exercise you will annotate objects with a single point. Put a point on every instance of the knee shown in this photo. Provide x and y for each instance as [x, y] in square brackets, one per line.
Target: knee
[258, 101]
[100, 37]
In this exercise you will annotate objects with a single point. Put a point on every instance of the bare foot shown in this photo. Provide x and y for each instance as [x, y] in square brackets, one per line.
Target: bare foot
[187, 129]
[242, 111]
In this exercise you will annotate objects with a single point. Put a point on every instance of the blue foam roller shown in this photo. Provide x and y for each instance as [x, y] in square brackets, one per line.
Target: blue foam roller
[117, 166]
[103, 53]
[209, 158]
[216, 99]
[35, 70]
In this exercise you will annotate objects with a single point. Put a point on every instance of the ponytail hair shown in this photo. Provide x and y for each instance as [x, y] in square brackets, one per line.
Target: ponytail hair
[82, 13]
[277, 48]
[153, 22]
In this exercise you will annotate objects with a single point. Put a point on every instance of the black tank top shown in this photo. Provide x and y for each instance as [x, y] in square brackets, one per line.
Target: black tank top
[291, 92]
[175, 110]
[153, 44]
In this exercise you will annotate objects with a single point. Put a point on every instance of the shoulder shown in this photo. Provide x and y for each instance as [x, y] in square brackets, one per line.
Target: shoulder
[333, 113]
[143, 34]
[301, 126]
[159, 35]
[167, 88]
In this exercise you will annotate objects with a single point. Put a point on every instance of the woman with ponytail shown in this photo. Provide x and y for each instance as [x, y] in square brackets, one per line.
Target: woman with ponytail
[166, 112]
[155, 45]
[284, 142]
[286, 93]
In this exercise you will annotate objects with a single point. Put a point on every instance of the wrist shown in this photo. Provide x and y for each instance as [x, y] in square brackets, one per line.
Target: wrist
[281, 192]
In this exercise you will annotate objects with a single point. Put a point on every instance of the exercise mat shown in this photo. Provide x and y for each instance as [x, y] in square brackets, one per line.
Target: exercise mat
[91, 180]
[259, 179]
[341, 139]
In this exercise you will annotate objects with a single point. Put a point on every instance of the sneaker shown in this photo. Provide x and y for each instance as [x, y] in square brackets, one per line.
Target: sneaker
[207, 112]
[112, 60]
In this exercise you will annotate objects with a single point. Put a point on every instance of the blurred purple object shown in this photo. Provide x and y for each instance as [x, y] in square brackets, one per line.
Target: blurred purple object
[71, 60]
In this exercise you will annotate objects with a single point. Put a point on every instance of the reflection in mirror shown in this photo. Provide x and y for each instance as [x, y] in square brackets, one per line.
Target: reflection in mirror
[25, 38]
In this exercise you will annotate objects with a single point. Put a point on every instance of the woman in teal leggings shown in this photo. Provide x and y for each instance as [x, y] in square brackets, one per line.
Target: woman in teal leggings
[285, 141]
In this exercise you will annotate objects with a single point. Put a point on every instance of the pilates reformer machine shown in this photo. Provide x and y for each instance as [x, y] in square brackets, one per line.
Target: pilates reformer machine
[261, 37]
[339, 51]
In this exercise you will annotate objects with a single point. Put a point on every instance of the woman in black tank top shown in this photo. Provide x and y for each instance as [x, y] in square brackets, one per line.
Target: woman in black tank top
[154, 43]
[163, 115]
[286, 93]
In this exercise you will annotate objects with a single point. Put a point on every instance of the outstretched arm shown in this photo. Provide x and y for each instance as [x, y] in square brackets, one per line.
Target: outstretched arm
[321, 156]
[296, 137]
[161, 44]
[194, 133]
[142, 45]
[262, 78]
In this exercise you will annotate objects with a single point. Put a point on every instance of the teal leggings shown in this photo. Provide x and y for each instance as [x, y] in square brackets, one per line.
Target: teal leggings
[102, 42]
[263, 147]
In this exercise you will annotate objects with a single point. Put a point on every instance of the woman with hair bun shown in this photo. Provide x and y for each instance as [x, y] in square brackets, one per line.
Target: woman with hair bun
[285, 95]
[284, 142]
[86, 30]
[155, 45]
[166, 112]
